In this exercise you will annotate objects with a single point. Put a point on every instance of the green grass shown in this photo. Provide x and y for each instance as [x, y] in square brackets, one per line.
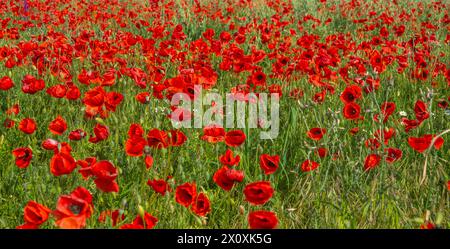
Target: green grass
[339, 194]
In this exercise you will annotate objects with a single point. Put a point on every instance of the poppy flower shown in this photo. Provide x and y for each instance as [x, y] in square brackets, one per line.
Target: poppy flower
[185, 194]
[77, 135]
[57, 91]
[23, 157]
[234, 138]
[177, 138]
[101, 133]
[31, 85]
[387, 109]
[15, 109]
[143, 97]
[226, 177]
[50, 144]
[148, 161]
[410, 124]
[309, 165]
[371, 161]
[262, 220]
[213, 134]
[159, 186]
[228, 158]
[157, 139]
[316, 133]
[73, 210]
[201, 205]
[351, 94]
[34, 215]
[352, 111]
[9, 123]
[427, 226]
[6, 83]
[421, 111]
[258, 193]
[421, 144]
[268, 163]
[393, 155]
[27, 126]
[322, 152]
[62, 162]
[148, 222]
[372, 143]
[58, 126]
[134, 146]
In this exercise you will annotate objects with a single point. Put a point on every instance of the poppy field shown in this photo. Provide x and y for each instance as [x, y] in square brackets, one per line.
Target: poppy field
[88, 124]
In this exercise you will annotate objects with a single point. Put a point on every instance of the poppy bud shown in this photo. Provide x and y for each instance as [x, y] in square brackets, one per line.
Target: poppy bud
[50, 144]
[141, 211]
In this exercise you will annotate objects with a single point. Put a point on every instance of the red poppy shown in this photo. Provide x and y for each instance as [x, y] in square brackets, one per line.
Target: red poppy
[372, 143]
[6, 83]
[387, 109]
[258, 193]
[101, 133]
[32, 85]
[159, 186]
[62, 162]
[157, 139]
[134, 146]
[420, 109]
[309, 165]
[322, 152]
[185, 194]
[27, 126]
[34, 215]
[351, 94]
[371, 161]
[421, 144]
[77, 135]
[23, 157]
[352, 111]
[177, 138]
[262, 220]
[50, 144]
[229, 159]
[148, 222]
[226, 177]
[143, 98]
[73, 210]
[9, 123]
[148, 161]
[201, 206]
[268, 163]
[57, 91]
[115, 216]
[213, 134]
[234, 138]
[316, 133]
[58, 126]
[410, 124]
[393, 155]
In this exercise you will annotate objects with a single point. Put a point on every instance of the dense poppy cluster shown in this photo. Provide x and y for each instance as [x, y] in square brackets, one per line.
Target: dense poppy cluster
[108, 55]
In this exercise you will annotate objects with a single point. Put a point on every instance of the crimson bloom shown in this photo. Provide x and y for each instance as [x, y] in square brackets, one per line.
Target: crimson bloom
[351, 94]
[27, 126]
[73, 210]
[229, 159]
[6, 83]
[393, 155]
[234, 138]
[201, 205]
[148, 222]
[213, 134]
[159, 186]
[371, 161]
[157, 139]
[316, 133]
[23, 157]
[34, 215]
[421, 144]
[185, 194]
[101, 133]
[309, 165]
[269, 164]
[258, 193]
[226, 177]
[352, 111]
[262, 220]
[58, 126]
